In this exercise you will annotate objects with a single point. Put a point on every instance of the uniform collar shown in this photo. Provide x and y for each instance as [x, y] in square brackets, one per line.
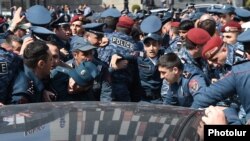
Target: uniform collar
[37, 82]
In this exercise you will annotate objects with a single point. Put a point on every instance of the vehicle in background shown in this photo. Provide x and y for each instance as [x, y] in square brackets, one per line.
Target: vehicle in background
[76, 121]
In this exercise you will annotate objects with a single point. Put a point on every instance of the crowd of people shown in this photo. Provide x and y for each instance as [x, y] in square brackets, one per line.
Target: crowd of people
[189, 59]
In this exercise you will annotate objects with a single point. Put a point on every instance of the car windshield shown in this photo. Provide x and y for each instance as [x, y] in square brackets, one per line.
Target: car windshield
[98, 121]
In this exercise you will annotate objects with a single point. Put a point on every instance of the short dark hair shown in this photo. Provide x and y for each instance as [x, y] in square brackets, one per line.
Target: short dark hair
[186, 25]
[110, 22]
[189, 44]
[209, 26]
[170, 60]
[35, 52]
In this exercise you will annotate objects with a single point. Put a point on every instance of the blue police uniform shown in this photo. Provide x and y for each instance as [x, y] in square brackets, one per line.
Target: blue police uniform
[174, 44]
[236, 81]
[232, 117]
[101, 89]
[234, 56]
[27, 87]
[122, 80]
[9, 68]
[200, 63]
[119, 43]
[182, 92]
[150, 78]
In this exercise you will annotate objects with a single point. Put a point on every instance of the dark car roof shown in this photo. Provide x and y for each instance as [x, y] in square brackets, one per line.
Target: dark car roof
[98, 121]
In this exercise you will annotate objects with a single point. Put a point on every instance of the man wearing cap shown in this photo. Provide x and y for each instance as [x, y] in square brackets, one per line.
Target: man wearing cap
[244, 16]
[183, 80]
[61, 27]
[235, 82]
[223, 56]
[196, 38]
[150, 81]
[76, 25]
[121, 43]
[165, 28]
[174, 37]
[230, 32]
[94, 34]
[83, 51]
[227, 13]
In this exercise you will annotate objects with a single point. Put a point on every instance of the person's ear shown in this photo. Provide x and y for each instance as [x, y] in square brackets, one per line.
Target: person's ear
[41, 64]
[175, 70]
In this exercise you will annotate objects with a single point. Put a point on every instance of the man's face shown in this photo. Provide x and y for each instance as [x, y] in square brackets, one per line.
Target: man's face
[45, 72]
[20, 33]
[76, 28]
[166, 27]
[82, 56]
[63, 33]
[219, 59]
[55, 55]
[230, 37]
[224, 18]
[169, 74]
[94, 39]
[183, 34]
[152, 48]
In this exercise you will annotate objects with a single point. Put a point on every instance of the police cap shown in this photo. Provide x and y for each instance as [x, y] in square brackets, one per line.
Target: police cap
[38, 15]
[198, 36]
[41, 32]
[151, 24]
[96, 28]
[231, 26]
[244, 36]
[153, 36]
[79, 43]
[242, 13]
[112, 12]
[125, 21]
[225, 9]
[83, 74]
[212, 47]
[62, 21]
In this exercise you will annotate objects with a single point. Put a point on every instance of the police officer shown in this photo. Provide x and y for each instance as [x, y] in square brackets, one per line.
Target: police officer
[121, 43]
[227, 13]
[61, 27]
[28, 86]
[235, 82]
[183, 80]
[111, 16]
[150, 81]
[191, 52]
[222, 55]
[9, 68]
[230, 32]
[83, 52]
[174, 37]
[74, 84]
